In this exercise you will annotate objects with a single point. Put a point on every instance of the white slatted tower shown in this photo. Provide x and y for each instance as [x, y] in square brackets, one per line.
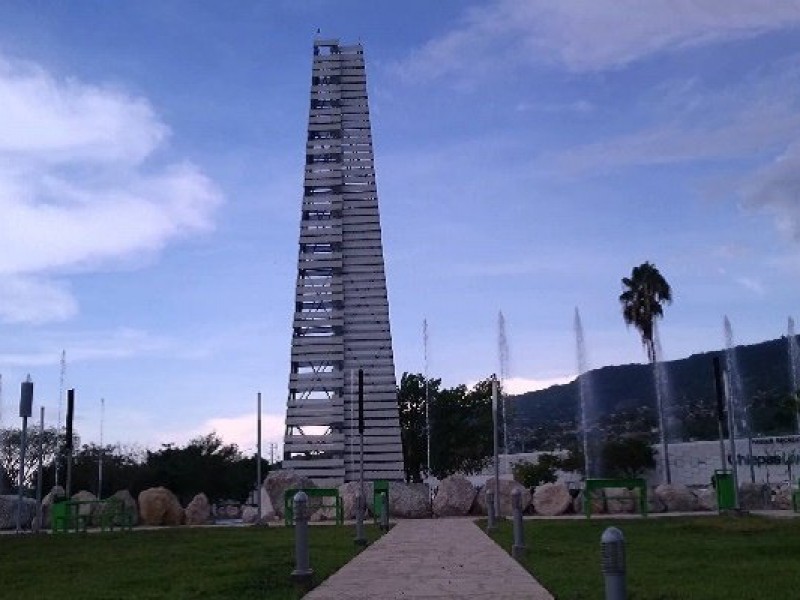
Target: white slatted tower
[341, 319]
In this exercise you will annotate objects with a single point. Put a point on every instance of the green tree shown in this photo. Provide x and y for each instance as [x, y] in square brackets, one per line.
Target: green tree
[644, 294]
[205, 465]
[461, 426]
[10, 451]
[122, 467]
[411, 397]
[542, 471]
[628, 457]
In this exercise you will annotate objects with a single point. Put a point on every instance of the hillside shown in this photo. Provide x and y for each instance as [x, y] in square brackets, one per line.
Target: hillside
[625, 397]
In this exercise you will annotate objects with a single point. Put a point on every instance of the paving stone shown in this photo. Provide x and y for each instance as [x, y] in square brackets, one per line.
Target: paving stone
[425, 558]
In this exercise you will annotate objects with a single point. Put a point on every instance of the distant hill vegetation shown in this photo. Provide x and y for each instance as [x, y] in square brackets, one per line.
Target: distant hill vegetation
[625, 400]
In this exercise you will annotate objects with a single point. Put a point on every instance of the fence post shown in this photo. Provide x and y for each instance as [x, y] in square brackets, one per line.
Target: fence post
[490, 525]
[518, 549]
[612, 551]
[302, 572]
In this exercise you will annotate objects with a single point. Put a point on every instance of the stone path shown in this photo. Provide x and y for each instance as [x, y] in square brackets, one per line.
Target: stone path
[432, 558]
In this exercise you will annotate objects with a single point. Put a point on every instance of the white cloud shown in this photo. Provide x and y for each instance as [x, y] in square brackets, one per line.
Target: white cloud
[775, 189]
[519, 385]
[751, 284]
[33, 300]
[239, 430]
[748, 131]
[79, 186]
[47, 119]
[102, 345]
[589, 36]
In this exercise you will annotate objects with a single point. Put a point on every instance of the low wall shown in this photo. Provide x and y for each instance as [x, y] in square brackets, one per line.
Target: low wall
[775, 460]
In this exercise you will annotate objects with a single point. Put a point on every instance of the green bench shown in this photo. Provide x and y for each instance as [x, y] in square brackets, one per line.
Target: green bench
[288, 502]
[592, 485]
[796, 497]
[67, 516]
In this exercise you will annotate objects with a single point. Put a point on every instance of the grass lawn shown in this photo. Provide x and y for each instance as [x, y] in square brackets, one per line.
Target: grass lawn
[238, 563]
[706, 558]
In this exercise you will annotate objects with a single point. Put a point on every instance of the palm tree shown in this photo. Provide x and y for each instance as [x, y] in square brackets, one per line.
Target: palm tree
[642, 301]
[645, 292]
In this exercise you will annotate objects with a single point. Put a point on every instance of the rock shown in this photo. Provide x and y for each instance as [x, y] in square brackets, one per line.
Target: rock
[8, 512]
[706, 498]
[621, 500]
[506, 487]
[277, 482]
[129, 502]
[782, 498]
[250, 515]
[754, 496]
[408, 500]
[267, 510]
[159, 506]
[348, 492]
[598, 503]
[198, 511]
[551, 499]
[87, 511]
[454, 497]
[654, 502]
[57, 494]
[677, 498]
[324, 513]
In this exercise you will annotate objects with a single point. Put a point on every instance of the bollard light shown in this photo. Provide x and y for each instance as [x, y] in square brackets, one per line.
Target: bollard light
[490, 525]
[518, 549]
[612, 553]
[302, 572]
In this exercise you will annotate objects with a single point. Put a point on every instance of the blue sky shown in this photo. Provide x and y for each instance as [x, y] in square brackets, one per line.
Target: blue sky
[529, 154]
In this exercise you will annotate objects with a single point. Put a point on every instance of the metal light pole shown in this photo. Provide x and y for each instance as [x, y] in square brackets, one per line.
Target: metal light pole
[360, 540]
[258, 459]
[100, 454]
[732, 438]
[496, 449]
[427, 406]
[39, 471]
[25, 410]
[719, 385]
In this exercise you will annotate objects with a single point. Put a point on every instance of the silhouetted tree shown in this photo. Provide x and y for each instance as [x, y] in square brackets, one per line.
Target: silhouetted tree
[642, 299]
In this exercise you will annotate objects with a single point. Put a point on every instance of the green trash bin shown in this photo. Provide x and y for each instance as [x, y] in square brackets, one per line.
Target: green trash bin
[726, 495]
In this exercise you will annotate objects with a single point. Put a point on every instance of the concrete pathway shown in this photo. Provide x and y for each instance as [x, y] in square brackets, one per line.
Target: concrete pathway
[432, 558]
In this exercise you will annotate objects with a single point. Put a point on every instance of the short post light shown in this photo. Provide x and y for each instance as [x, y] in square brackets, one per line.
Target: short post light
[518, 549]
[302, 572]
[490, 524]
[612, 552]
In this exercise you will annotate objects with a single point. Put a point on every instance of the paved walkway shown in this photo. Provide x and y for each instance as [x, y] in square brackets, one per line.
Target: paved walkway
[432, 558]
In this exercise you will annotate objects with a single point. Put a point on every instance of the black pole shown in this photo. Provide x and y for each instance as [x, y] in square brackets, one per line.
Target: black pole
[361, 401]
[362, 497]
[68, 441]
